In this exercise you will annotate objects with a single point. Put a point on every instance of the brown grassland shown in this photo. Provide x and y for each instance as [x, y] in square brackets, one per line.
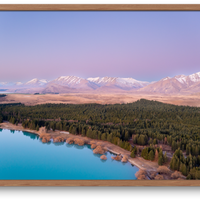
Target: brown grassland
[102, 98]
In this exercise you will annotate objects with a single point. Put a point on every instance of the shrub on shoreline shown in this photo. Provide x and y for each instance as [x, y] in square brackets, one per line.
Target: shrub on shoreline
[79, 141]
[103, 157]
[70, 140]
[98, 150]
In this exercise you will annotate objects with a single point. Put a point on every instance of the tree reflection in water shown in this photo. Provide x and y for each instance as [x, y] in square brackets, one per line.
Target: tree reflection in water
[31, 135]
[97, 155]
[69, 145]
[58, 143]
[103, 160]
[88, 146]
[78, 147]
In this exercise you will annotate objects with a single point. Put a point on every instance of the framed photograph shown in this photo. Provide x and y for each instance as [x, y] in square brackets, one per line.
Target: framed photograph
[99, 95]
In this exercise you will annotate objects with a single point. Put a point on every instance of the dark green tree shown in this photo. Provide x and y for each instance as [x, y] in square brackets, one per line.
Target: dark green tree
[150, 141]
[151, 155]
[89, 133]
[83, 131]
[104, 136]
[145, 153]
[37, 128]
[155, 141]
[133, 154]
[160, 160]
[165, 157]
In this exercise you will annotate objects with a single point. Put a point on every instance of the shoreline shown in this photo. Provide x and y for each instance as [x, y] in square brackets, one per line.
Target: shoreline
[139, 162]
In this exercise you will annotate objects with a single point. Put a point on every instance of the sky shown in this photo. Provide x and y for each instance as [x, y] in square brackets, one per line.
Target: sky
[144, 45]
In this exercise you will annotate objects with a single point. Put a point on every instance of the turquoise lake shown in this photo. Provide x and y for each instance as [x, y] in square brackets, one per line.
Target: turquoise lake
[24, 156]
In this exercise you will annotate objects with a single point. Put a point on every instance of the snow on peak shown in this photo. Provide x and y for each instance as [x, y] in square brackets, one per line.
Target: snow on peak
[18, 83]
[181, 78]
[195, 77]
[96, 79]
[36, 81]
[33, 81]
[167, 78]
[107, 79]
[101, 81]
[43, 81]
[68, 80]
[198, 73]
[121, 82]
[130, 82]
[3, 83]
[62, 77]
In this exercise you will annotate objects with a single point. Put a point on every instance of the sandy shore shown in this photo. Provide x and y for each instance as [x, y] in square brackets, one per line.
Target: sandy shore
[138, 161]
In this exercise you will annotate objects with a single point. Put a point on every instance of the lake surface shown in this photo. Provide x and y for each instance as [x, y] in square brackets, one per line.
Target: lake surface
[24, 156]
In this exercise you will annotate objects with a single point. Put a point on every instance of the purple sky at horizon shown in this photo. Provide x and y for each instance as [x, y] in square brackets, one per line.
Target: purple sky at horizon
[146, 46]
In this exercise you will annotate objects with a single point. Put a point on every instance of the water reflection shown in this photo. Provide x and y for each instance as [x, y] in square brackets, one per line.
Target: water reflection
[48, 143]
[123, 163]
[88, 146]
[36, 160]
[1, 130]
[58, 143]
[113, 154]
[78, 147]
[69, 145]
[31, 135]
[12, 131]
[97, 155]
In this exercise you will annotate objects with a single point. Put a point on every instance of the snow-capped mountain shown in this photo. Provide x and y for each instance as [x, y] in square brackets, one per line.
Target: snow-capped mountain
[101, 81]
[18, 83]
[188, 80]
[3, 83]
[6, 84]
[36, 82]
[169, 85]
[166, 85]
[195, 77]
[181, 79]
[131, 83]
[43, 81]
[176, 84]
[123, 83]
[73, 82]
[68, 80]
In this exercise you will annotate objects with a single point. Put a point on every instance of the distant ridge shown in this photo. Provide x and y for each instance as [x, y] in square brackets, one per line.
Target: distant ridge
[179, 84]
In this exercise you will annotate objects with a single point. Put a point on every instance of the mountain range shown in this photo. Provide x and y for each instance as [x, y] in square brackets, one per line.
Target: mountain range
[179, 84]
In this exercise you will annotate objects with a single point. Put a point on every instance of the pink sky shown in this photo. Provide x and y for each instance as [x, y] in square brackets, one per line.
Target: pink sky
[143, 45]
